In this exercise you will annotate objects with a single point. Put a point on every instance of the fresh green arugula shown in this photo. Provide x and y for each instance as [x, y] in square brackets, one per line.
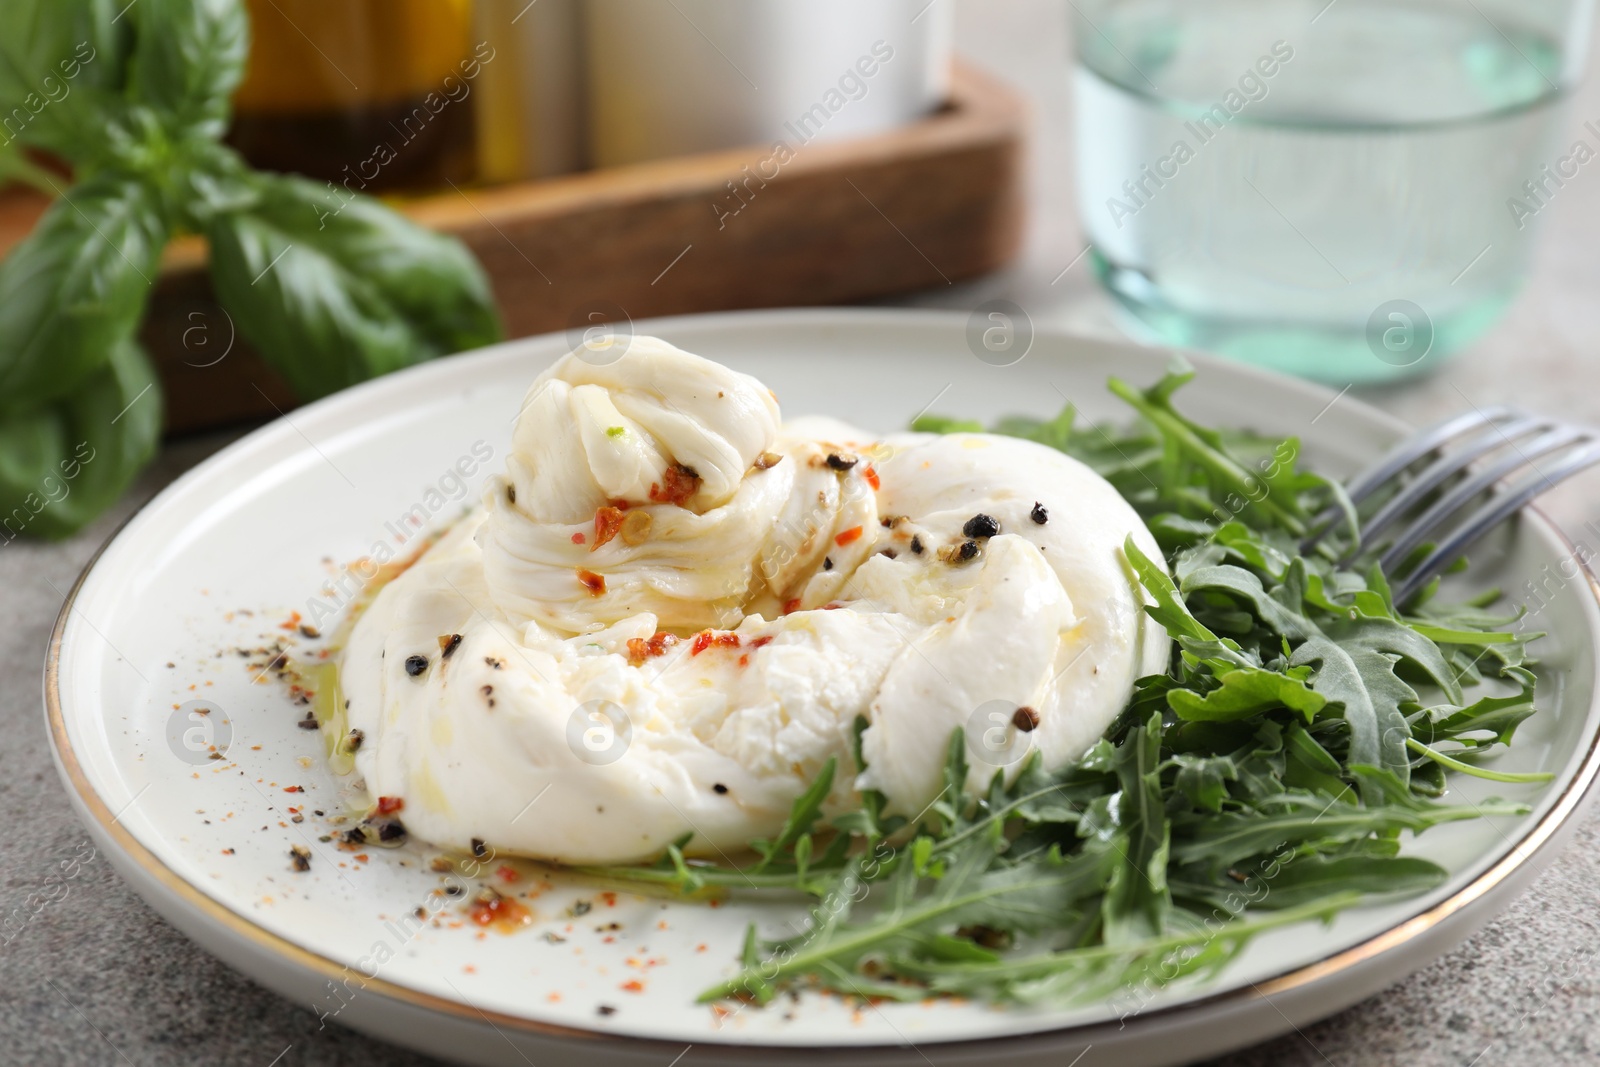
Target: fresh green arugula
[330, 289]
[1306, 722]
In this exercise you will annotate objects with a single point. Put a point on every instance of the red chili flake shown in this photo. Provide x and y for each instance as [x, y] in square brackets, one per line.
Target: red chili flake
[608, 898]
[634, 986]
[506, 874]
[678, 484]
[293, 623]
[712, 639]
[595, 583]
[577, 538]
[621, 505]
[761, 642]
[293, 789]
[872, 478]
[641, 648]
[852, 534]
[744, 660]
[607, 524]
[791, 606]
[390, 805]
[493, 909]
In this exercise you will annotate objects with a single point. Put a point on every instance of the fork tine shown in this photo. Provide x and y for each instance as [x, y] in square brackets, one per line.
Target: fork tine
[1398, 459]
[1451, 502]
[1494, 512]
[1450, 463]
[1414, 448]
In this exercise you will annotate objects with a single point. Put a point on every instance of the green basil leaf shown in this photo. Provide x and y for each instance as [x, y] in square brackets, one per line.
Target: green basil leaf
[189, 58]
[63, 464]
[62, 67]
[334, 292]
[76, 288]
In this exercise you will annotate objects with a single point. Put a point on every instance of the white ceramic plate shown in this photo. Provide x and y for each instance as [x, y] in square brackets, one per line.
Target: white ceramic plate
[153, 623]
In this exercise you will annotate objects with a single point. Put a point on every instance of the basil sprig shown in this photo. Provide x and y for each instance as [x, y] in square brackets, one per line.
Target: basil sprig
[330, 289]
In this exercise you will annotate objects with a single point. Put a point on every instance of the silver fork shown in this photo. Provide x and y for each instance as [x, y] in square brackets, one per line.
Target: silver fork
[1499, 442]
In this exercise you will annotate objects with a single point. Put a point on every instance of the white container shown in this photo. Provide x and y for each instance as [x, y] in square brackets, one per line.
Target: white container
[530, 108]
[670, 77]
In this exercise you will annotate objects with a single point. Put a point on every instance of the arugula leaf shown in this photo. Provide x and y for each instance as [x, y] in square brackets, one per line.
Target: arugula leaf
[333, 293]
[802, 818]
[1245, 693]
[1309, 879]
[920, 905]
[1137, 900]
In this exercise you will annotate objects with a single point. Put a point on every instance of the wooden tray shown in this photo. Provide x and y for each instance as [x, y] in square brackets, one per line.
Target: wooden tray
[842, 221]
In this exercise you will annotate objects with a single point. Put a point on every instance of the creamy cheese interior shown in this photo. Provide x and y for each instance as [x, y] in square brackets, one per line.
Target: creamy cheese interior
[672, 608]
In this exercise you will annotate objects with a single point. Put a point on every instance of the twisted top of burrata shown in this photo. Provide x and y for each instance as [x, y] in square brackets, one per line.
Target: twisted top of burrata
[657, 481]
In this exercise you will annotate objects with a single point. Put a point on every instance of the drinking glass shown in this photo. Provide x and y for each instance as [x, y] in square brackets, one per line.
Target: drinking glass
[1348, 190]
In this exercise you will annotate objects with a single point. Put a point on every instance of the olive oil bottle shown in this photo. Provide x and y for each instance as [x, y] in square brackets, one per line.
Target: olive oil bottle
[375, 95]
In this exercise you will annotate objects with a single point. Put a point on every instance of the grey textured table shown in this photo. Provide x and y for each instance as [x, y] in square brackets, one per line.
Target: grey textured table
[93, 976]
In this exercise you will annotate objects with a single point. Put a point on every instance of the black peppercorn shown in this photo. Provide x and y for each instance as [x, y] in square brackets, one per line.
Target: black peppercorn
[841, 462]
[967, 551]
[1039, 514]
[415, 665]
[916, 545]
[981, 525]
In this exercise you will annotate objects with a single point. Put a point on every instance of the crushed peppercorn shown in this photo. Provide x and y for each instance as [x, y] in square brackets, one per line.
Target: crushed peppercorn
[448, 645]
[827, 563]
[1040, 514]
[478, 848]
[916, 545]
[841, 462]
[767, 460]
[300, 856]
